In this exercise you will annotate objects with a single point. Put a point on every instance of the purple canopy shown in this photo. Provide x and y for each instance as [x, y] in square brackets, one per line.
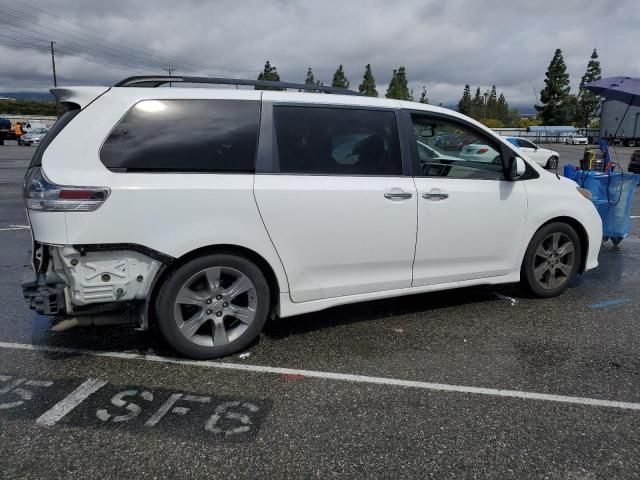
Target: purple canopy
[628, 85]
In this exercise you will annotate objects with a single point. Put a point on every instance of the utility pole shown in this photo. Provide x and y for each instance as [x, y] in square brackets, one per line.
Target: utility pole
[170, 71]
[55, 79]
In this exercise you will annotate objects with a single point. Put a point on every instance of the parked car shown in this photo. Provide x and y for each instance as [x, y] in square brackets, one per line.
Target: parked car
[448, 141]
[634, 164]
[6, 132]
[542, 156]
[31, 126]
[252, 209]
[34, 137]
[576, 140]
[479, 152]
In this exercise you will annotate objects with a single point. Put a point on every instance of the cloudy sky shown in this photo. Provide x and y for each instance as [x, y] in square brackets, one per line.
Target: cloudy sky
[443, 44]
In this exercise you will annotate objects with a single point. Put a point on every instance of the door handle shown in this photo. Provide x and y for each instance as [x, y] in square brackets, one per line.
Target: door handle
[435, 196]
[398, 195]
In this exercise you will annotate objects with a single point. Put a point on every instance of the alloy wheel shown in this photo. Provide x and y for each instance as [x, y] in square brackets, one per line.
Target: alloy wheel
[554, 260]
[215, 306]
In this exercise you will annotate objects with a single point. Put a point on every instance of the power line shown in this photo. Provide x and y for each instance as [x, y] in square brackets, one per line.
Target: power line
[138, 55]
[86, 47]
[102, 39]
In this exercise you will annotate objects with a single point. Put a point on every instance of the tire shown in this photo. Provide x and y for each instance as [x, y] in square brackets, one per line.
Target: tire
[552, 163]
[541, 272]
[631, 143]
[213, 306]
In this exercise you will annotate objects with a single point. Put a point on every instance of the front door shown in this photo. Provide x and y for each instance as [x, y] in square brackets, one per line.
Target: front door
[470, 219]
[334, 199]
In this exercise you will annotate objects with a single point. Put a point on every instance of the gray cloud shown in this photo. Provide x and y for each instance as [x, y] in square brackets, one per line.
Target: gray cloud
[443, 44]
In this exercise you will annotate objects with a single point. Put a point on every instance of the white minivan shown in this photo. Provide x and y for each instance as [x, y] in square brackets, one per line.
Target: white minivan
[206, 210]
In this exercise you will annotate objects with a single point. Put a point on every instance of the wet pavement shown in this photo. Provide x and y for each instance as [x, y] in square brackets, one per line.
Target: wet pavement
[140, 411]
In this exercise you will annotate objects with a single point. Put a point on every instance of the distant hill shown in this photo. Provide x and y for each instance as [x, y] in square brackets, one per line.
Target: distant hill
[43, 96]
[27, 107]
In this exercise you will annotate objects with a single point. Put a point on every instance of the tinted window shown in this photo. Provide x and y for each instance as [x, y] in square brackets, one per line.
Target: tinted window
[185, 136]
[513, 141]
[450, 149]
[525, 143]
[336, 141]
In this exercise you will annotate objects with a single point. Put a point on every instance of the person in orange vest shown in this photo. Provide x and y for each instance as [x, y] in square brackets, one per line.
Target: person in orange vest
[18, 130]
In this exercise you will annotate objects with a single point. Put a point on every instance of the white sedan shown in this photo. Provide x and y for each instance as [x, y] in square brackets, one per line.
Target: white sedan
[576, 140]
[542, 156]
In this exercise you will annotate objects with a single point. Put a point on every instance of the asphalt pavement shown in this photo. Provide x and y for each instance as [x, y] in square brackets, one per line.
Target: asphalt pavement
[472, 383]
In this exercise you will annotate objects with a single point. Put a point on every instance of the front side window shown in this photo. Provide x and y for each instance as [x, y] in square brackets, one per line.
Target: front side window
[185, 136]
[336, 141]
[449, 149]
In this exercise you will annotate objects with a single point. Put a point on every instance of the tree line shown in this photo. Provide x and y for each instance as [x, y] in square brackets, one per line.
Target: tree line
[488, 107]
[558, 105]
[398, 85]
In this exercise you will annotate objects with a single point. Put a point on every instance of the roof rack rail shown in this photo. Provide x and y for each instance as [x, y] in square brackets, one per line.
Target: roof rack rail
[156, 81]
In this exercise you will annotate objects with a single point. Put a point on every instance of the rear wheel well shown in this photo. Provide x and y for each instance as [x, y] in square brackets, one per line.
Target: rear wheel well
[582, 235]
[256, 258]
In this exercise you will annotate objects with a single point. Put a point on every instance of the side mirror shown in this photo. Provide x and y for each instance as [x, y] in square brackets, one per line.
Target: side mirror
[517, 168]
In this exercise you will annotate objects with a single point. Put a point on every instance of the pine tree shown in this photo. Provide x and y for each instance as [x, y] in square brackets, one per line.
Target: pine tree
[502, 111]
[368, 85]
[339, 79]
[555, 97]
[477, 105]
[310, 80]
[269, 73]
[398, 86]
[491, 110]
[465, 105]
[423, 95]
[588, 102]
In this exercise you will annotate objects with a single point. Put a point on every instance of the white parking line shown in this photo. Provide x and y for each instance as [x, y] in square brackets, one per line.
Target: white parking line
[14, 227]
[71, 401]
[443, 387]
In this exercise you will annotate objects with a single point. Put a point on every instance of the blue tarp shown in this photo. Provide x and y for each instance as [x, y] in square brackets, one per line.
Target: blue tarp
[612, 194]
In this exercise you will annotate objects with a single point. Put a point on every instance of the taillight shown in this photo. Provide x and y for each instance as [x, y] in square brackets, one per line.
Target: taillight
[483, 150]
[43, 195]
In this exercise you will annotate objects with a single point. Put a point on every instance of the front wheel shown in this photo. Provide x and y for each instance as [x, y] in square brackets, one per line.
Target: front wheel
[212, 306]
[552, 163]
[631, 143]
[552, 260]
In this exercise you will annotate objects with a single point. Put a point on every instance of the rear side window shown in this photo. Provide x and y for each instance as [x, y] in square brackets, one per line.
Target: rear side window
[185, 136]
[336, 141]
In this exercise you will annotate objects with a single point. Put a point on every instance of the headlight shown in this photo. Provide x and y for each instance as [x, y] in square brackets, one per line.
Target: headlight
[584, 192]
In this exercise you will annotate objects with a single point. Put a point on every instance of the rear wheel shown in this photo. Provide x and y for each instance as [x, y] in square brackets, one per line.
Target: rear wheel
[213, 306]
[552, 260]
[631, 143]
[552, 163]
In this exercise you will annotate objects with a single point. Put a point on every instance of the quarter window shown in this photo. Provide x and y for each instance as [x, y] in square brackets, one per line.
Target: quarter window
[336, 141]
[185, 136]
[449, 149]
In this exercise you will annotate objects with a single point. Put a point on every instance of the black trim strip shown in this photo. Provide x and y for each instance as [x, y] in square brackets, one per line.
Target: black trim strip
[111, 247]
